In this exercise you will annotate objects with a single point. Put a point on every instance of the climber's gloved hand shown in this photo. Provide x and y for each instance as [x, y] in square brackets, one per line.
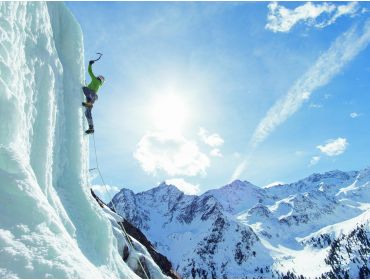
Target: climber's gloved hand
[91, 62]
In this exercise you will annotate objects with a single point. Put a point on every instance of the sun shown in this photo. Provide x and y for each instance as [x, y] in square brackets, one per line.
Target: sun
[169, 113]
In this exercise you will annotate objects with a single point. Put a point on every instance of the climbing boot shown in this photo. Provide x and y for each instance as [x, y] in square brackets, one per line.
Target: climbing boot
[90, 130]
[87, 104]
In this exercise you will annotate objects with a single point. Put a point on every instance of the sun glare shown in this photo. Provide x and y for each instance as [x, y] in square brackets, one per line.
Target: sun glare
[169, 113]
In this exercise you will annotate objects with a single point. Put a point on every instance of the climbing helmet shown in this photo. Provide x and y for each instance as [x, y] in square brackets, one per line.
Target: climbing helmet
[101, 78]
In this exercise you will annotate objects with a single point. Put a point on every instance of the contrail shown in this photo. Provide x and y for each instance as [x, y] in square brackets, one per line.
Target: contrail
[344, 49]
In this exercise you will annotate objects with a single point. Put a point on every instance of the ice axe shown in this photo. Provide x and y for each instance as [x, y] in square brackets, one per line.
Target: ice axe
[100, 55]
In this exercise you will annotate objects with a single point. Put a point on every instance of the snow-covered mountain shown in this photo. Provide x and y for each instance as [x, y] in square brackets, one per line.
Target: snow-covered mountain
[316, 227]
[50, 225]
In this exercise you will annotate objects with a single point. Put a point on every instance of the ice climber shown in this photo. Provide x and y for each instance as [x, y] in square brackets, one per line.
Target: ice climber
[91, 95]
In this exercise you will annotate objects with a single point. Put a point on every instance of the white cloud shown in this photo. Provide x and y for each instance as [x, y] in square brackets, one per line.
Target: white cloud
[343, 50]
[299, 153]
[330, 63]
[354, 115]
[105, 193]
[319, 15]
[314, 160]
[316, 106]
[172, 154]
[239, 170]
[216, 153]
[184, 186]
[212, 140]
[273, 184]
[334, 147]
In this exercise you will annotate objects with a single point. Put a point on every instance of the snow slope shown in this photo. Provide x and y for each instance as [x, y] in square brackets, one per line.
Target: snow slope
[50, 226]
[198, 236]
[316, 227]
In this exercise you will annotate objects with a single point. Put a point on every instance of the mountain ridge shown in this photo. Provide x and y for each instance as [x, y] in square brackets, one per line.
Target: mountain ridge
[274, 221]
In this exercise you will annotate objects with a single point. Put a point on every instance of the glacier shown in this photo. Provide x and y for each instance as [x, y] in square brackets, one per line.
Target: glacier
[50, 225]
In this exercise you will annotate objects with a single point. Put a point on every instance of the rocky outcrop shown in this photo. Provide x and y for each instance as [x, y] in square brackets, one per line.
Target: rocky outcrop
[351, 249]
[132, 231]
[159, 259]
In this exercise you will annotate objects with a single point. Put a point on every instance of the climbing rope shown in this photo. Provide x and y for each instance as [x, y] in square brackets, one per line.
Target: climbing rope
[102, 179]
[114, 207]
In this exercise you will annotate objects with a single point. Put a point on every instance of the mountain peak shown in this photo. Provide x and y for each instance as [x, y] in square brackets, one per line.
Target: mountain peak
[335, 177]
[165, 185]
[239, 184]
[164, 190]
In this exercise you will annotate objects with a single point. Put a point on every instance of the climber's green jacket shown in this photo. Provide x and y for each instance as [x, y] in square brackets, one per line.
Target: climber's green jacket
[95, 83]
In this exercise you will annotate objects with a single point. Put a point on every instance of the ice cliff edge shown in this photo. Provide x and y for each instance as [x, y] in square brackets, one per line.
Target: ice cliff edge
[49, 224]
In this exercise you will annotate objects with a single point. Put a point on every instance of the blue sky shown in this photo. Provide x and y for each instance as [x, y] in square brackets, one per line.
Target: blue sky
[206, 92]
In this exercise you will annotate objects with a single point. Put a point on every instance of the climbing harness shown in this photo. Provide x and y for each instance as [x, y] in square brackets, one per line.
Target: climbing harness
[114, 208]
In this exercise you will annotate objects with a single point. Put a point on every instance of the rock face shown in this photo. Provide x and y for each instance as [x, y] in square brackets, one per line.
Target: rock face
[164, 264]
[136, 235]
[316, 227]
[351, 249]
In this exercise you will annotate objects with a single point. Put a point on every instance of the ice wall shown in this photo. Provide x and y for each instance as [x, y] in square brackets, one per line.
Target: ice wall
[49, 224]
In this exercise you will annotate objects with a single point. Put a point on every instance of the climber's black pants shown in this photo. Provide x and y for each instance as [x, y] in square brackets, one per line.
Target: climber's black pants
[91, 96]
